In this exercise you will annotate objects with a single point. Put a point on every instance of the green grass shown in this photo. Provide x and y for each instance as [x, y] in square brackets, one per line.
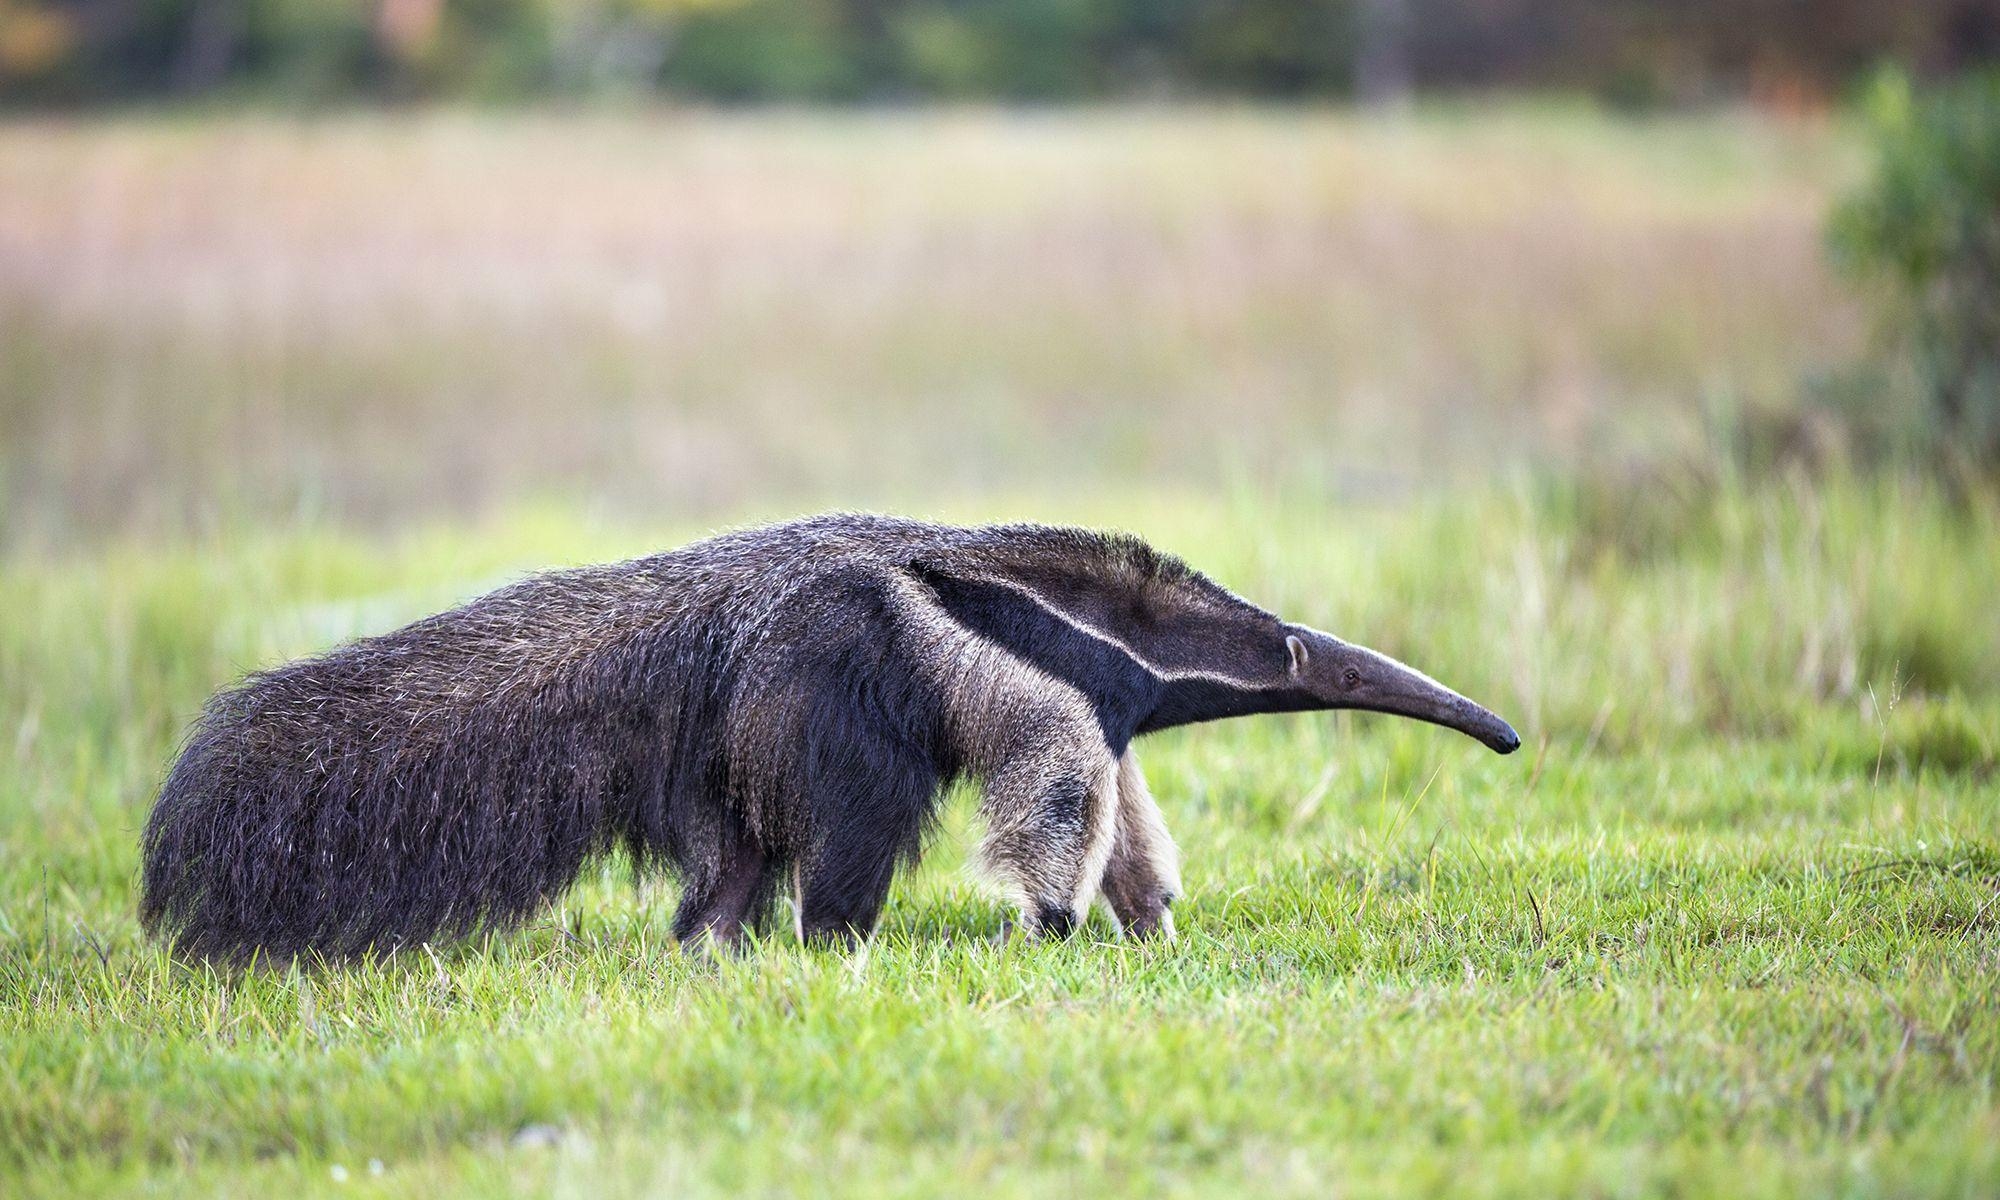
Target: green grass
[1728, 924]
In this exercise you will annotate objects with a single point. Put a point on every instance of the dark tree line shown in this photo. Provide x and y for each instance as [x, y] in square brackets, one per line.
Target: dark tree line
[1679, 51]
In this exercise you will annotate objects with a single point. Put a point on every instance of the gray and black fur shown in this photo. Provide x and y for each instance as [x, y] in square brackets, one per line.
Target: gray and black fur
[778, 705]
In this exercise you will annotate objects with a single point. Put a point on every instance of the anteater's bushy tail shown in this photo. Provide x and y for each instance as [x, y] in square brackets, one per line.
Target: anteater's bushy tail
[299, 819]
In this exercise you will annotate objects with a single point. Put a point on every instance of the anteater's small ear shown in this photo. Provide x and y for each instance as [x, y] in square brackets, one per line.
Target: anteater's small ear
[1298, 653]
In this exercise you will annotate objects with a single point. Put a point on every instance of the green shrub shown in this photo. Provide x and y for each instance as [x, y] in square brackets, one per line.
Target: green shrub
[1016, 49]
[782, 50]
[1925, 229]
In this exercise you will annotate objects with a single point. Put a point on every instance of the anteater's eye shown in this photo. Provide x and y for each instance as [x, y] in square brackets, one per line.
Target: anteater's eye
[1353, 677]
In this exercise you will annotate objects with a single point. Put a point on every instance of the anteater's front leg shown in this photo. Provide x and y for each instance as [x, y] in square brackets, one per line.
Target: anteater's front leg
[1050, 812]
[1143, 877]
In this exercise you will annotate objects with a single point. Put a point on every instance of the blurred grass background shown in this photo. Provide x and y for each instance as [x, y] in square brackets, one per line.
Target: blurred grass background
[364, 318]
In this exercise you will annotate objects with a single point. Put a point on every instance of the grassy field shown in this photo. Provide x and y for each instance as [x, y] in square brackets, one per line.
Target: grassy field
[1447, 384]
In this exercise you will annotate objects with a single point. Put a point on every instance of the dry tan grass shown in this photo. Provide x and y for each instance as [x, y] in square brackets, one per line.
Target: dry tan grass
[368, 316]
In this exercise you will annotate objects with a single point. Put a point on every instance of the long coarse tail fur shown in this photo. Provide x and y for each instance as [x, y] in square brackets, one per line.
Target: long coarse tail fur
[428, 783]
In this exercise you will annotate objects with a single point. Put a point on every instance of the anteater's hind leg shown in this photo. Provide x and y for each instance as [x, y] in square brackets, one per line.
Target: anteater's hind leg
[719, 903]
[1051, 808]
[1143, 877]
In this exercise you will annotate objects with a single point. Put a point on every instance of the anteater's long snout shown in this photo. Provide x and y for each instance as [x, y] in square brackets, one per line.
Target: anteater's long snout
[1483, 724]
[1388, 686]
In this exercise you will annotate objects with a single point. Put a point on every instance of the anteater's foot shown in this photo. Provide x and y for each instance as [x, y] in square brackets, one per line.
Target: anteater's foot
[1149, 921]
[1050, 923]
[838, 937]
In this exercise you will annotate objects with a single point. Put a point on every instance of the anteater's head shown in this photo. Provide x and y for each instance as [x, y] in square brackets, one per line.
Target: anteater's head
[1336, 674]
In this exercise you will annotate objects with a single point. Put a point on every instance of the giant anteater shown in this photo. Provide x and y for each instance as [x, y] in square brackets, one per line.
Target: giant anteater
[773, 705]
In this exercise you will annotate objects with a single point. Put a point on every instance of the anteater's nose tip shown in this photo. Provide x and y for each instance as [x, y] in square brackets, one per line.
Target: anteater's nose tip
[1504, 740]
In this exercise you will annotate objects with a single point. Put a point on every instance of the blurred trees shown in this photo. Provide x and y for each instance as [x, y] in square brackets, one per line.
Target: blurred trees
[1630, 51]
[1926, 227]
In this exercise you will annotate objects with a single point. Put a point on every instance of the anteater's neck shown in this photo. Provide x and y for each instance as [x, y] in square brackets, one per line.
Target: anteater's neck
[1190, 701]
